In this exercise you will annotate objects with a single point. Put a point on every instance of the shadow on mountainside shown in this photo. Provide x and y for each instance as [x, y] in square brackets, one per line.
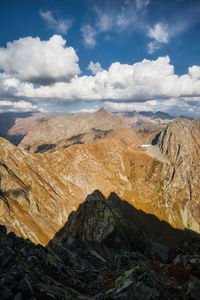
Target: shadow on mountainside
[102, 252]
[91, 217]
[157, 230]
[7, 120]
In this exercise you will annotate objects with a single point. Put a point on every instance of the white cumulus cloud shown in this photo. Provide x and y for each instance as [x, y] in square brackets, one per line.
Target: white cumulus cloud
[194, 72]
[160, 33]
[42, 62]
[142, 81]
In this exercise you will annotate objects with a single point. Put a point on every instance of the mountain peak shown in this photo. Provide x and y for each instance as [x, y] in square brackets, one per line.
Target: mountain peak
[96, 195]
[102, 110]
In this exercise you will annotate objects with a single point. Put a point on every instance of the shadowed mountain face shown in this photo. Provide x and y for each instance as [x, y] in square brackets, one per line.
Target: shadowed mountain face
[14, 126]
[106, 222]
[100, 253]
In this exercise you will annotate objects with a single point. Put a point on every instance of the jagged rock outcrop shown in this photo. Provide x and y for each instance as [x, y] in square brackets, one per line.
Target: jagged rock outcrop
[80, 265]
[106, 222]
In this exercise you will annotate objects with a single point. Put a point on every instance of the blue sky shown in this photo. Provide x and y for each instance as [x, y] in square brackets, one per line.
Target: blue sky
[76, 56]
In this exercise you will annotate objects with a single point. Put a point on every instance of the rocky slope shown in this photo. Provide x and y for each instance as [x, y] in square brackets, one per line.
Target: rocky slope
[162, 179]
[39, 188]
[50, 133]
[39, 191]
[34, 202]
[180, 143]
[100, 253]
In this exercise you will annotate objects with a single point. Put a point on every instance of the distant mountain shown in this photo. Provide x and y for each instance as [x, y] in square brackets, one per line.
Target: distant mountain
[157, 115]
[7, 121]
[71, 129]
[14, 126]
[145, 118]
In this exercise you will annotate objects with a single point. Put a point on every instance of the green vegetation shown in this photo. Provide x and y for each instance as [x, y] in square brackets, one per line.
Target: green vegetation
[152, 171]
[132, 170]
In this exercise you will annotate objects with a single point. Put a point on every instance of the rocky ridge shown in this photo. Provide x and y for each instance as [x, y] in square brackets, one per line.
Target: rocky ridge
[85, 262]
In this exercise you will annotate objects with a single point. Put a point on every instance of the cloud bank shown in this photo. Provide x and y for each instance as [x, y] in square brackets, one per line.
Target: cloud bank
[55, 68]
[142, 81]
[21, 106]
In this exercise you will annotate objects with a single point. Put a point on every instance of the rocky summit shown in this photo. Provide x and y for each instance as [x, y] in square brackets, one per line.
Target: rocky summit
[99, 253]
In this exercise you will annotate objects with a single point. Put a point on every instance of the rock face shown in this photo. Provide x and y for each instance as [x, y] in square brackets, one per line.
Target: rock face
[180, 143]
[84, 262]
[64, 127]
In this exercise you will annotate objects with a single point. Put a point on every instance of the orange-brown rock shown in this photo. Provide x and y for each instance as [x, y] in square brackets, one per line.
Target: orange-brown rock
[38, 191]
[34, 202]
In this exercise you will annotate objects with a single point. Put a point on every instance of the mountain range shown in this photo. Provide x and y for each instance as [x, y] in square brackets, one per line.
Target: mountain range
[15, 126]
[45, 180]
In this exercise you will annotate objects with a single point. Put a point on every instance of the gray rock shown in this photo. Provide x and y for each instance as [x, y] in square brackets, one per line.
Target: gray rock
[18, 296]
